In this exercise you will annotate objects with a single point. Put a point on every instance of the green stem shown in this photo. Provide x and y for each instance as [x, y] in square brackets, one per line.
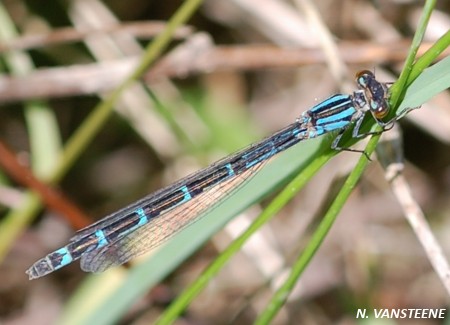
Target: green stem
[398, 89]
[429, 57]
[279, 298]
[94, 122]
[178, 306]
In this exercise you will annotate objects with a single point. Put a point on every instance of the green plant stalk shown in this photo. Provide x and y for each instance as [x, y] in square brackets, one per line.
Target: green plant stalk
[397, 92]
[398, 89]
[279, 298]
[94, 122]
[178, 306]
[429, 57]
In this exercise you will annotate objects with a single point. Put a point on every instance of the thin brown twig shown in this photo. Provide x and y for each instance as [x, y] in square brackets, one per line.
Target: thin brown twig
[53, 198]
[144, 30]
[194, 59]
[390, 154]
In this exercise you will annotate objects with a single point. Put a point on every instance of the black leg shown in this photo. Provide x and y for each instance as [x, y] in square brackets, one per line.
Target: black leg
[335, 144]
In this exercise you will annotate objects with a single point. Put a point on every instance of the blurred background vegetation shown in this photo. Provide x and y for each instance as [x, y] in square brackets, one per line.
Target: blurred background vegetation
[237, 71]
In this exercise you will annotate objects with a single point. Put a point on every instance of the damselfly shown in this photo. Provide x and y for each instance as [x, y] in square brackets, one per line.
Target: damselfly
[143, 225]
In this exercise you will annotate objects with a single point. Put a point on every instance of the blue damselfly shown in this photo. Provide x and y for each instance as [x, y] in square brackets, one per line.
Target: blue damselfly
[143, 225]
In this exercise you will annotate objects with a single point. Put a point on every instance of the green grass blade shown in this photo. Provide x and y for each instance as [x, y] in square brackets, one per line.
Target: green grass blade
[428, 57]
[397, 90]
[431, 81]
[279, 298]
[175, 310]
[94, 122]
[142, 277]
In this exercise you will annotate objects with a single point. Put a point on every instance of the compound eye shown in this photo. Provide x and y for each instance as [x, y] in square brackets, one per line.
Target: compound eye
[363, 76]
[380, 110]
[364, 73]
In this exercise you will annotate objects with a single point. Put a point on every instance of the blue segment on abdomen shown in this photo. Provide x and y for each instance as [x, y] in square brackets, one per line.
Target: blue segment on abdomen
[143, 218]
[62, 256]
[345, 115]
[101, 239]
[331, 127]
[187, 195]
[330, 103]
[230, 169]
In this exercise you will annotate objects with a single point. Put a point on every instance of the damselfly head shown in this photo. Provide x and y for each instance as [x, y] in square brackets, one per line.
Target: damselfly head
[375, 93]
[363, 78]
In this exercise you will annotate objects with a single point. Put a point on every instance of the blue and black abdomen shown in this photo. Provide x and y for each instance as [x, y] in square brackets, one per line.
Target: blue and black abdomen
[335, 113]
